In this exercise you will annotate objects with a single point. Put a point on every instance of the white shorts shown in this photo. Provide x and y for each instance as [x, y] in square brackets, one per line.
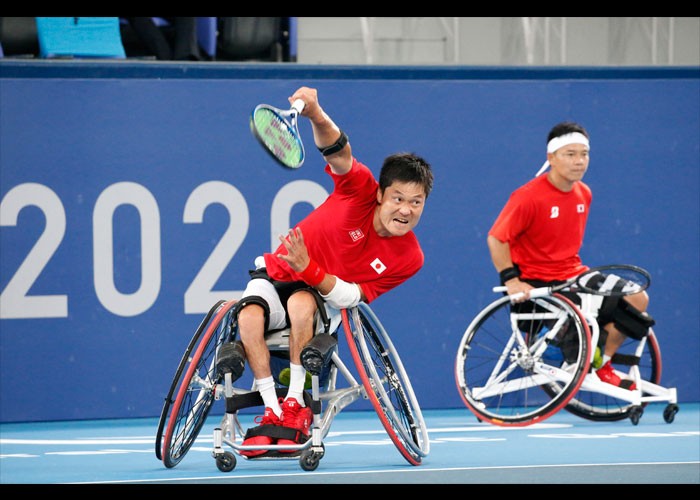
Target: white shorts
[263, 288]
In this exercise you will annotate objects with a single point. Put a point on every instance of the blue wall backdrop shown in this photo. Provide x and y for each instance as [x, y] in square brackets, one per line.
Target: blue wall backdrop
[133, 196]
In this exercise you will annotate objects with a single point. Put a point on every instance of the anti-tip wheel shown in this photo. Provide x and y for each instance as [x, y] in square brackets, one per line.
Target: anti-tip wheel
[226, 462]
[310, 459]
[670, 413]
[636, 414]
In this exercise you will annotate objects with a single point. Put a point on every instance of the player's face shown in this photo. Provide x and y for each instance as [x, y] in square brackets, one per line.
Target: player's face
[400, 207]
[569, 163]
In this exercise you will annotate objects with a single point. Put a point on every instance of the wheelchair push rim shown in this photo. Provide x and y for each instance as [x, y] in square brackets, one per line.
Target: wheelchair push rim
[195, 394]
[390, 392]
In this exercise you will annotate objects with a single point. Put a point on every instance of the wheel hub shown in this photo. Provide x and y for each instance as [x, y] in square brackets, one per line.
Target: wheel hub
[521, 355]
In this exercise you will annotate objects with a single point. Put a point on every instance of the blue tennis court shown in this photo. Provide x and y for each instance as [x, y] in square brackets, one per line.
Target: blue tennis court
[563, 449]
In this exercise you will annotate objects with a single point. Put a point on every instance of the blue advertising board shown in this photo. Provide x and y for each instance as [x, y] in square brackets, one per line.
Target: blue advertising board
[134, 197]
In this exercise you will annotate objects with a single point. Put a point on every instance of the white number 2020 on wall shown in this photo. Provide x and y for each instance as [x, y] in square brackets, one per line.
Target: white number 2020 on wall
[16, 302]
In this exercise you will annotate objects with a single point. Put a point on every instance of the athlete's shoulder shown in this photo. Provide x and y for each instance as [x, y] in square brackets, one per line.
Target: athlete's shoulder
[584, 189]
[412, 250]
[526, 192]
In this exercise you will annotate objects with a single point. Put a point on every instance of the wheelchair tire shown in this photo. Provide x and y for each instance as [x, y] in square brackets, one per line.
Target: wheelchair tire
[385, 382]
[191, 394]
[602, 408]
[510, 352]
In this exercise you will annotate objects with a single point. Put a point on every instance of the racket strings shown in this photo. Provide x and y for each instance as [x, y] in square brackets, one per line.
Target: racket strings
[620, 281]
[277, 136]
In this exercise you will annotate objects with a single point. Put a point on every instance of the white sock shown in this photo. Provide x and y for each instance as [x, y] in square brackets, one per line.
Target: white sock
[605, 359]
[266, 388]
[297, 379]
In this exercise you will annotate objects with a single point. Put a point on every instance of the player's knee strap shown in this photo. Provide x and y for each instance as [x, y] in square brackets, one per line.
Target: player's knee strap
[631, 321]
[254, 299]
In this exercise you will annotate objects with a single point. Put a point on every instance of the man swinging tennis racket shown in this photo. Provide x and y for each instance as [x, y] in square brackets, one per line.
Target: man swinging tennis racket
[354, 247]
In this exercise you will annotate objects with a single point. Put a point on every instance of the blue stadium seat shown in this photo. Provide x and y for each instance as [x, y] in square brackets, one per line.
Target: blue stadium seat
[79, 37]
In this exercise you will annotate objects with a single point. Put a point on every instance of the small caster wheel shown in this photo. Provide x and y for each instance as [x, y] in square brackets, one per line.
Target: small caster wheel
[670, 412]
[310, 459]
[636, 414]
[226, 462]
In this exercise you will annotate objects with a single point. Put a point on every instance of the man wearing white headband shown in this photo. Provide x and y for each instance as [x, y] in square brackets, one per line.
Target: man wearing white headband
[536, 239]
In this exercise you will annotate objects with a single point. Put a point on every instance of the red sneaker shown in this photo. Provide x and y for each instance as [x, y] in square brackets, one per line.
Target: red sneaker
[269, 418]
[296, 417]
[607, 374]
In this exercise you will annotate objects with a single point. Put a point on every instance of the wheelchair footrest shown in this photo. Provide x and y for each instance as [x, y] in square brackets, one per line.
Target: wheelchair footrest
[274, 454]
[277, 432]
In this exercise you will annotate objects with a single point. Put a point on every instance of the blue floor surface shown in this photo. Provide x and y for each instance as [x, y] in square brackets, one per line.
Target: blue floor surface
[563, 449]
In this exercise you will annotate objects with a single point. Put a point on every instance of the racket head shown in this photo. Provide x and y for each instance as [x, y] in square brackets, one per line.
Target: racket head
[278, 136]
[615, 280]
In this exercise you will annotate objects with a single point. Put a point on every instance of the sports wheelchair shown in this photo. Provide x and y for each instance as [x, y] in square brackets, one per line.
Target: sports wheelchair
[215, 359]
[519, 363]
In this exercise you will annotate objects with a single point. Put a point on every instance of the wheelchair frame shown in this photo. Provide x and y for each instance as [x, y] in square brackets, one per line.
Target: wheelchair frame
[565, 388]
[390, 392]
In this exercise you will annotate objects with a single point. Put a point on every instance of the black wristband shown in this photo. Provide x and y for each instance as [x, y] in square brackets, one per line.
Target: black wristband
[508, 274]
[336, 146]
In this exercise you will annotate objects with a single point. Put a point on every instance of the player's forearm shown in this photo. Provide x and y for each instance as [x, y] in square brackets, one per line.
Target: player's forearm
[340, 294]
[326, 132]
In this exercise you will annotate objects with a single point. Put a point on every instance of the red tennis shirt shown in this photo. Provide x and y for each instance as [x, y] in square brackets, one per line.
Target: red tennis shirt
[544, 228]
[340, 236]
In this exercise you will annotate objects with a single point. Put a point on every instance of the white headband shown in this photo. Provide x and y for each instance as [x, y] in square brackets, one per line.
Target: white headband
[560, 142]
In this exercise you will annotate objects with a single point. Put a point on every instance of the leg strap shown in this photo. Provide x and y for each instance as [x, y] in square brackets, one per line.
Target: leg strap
[254, 299]
[631, 321]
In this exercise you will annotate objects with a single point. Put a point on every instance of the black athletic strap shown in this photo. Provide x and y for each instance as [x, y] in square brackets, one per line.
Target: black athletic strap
[336, 146]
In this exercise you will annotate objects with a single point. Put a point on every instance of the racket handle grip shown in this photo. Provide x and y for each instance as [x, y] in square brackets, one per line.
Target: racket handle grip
[298, 105]
[534, 293]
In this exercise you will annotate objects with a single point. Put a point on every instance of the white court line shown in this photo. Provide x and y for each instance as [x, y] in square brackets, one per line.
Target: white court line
[208, 439]
[390, 471]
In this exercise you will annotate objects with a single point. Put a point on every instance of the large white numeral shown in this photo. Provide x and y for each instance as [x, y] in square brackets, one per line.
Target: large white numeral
[199, 297]
[14, 301]
[126, 193]
[291, 194]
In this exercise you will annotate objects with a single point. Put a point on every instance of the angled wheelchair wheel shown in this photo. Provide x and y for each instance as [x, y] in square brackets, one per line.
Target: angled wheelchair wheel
[191, 394]
[386, 383]
[643, 355]
[511, 352]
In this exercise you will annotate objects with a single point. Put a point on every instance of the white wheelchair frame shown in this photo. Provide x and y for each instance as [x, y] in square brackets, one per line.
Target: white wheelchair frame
[645, 391]
[516, 353]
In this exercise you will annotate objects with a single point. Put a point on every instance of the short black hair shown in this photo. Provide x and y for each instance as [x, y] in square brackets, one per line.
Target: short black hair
[566, 128]
[406, 167]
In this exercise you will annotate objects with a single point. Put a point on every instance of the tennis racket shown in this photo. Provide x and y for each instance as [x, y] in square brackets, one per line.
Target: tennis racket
[276, 130]
[615, 280]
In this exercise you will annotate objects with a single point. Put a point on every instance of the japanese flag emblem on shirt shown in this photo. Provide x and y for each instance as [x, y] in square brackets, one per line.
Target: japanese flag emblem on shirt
[378, 266]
